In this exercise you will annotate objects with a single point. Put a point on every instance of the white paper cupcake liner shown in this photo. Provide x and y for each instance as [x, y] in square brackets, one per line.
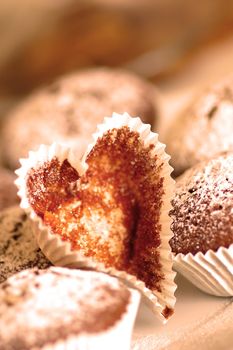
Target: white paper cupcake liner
[211, 272]
[116, 337]
[60, 253]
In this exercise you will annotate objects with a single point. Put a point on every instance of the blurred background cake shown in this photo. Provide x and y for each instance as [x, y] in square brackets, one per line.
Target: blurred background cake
[43, 39]
[69, 110]
[176, 45]
[159, 40]
[204, 128]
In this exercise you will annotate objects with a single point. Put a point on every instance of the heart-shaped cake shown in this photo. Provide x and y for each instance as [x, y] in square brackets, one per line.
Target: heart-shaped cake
[109, 211]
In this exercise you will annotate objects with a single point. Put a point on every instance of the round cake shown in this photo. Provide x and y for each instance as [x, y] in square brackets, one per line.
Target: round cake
[69, 110]
[18, 247]
[203, 207]
[41, 309]
[204, 129]
[8, 190]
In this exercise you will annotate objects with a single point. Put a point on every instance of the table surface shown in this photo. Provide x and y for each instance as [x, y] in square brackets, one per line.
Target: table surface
[192, 304]
[195, 315]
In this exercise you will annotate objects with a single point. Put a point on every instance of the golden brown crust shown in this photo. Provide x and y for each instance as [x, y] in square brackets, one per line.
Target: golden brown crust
[112, 213]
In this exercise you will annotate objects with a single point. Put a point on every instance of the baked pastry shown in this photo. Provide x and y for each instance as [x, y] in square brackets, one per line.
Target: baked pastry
[74, 34]
[18, 247]
[108, 212]
[69, 110]
[203, 224]
[202, 207]
[8, 190]
[66, 309]
[204, 129]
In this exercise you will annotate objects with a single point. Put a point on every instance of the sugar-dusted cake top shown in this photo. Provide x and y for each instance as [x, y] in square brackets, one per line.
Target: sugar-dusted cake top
[40, 307]
[202, 207]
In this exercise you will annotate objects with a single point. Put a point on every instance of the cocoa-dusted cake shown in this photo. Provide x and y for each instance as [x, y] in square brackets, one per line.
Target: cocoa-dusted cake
[111, 213]
[204, 129]
[69, 110]
[18, 247]
[67, 309]
[202, 207]
[8, 190]
[110, 210]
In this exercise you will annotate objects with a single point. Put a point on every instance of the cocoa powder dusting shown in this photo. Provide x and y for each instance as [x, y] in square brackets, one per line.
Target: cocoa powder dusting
[112, 212]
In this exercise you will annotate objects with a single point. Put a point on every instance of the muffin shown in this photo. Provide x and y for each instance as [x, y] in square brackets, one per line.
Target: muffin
[203, 224]
[18, 247]
[8, 190]
[66, 309]
[108, 212]
[204, 129]
[62, 36]
[69, 110]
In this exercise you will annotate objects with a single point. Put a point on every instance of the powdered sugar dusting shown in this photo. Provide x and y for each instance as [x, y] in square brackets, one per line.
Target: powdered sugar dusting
[41, 307]
[202, 207]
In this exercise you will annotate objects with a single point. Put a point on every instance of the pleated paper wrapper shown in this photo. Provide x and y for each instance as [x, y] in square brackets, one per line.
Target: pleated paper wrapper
[211, 272]
[60, 253]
